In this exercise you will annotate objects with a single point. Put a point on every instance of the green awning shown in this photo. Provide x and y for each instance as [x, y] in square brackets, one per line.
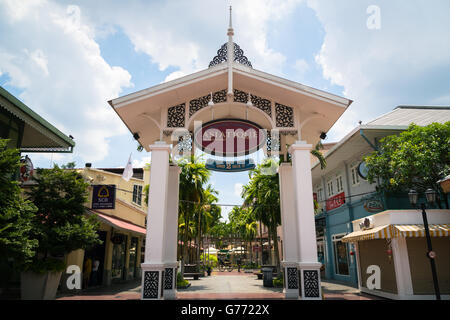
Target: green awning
[38, 134]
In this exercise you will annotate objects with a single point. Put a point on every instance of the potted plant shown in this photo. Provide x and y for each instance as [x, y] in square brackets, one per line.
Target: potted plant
[60, 226]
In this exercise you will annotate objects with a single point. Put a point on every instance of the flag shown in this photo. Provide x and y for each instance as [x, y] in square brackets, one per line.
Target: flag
[128, 172]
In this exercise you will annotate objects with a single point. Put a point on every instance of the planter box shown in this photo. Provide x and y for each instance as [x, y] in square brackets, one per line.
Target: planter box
[36, 286]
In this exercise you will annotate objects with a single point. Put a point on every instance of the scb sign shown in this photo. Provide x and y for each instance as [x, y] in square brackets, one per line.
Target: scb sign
[229, 137]
[103, 196]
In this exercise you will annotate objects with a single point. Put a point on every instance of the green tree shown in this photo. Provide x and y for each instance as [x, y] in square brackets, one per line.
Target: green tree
[193, 177]
[60, 224]
[16, 213]
[416, 158]
[262, 194]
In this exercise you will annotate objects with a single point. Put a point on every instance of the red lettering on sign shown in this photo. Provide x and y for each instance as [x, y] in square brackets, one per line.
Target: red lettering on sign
[336, 201]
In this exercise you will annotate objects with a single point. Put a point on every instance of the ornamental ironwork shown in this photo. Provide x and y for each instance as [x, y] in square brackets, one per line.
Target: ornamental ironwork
[311, 283]
[151, 281]
[176, 115]
[222, 56]
[284, 116]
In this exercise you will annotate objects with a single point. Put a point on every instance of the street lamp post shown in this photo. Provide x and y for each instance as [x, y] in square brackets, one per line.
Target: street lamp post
[431, 198]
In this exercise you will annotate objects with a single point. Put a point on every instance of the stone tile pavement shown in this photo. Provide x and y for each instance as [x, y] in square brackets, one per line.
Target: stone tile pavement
[219, 286]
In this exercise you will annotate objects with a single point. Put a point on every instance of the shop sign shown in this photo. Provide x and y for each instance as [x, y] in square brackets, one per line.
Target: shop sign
[229, 138]
[373, 205]
[229, 166]
[336, 201]
[26, 169]
[104, 197]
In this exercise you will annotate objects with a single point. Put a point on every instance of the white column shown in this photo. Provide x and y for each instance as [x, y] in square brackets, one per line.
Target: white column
[170, 234]
[304, 205]
[153, 267]
[402, 269]
[290, 235]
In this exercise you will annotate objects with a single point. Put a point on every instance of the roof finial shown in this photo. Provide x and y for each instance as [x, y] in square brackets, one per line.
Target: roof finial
[230, 27]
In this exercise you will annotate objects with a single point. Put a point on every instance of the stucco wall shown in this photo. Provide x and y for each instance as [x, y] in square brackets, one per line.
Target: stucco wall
[373, 252]
[420, 265]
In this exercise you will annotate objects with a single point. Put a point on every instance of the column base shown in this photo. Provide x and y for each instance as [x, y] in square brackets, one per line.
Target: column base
[291, 282]
[310, 287]
[152, 281]
[170, 281]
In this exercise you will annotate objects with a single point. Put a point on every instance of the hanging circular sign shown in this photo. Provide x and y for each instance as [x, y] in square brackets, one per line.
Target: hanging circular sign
[26, 170]
[363, 170]
[229, 137]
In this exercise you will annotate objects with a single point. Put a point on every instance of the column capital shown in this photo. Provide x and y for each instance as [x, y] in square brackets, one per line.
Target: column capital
[300, 145]
[160, 146]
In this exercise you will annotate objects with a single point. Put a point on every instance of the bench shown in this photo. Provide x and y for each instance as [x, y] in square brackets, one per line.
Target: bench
[191, 270]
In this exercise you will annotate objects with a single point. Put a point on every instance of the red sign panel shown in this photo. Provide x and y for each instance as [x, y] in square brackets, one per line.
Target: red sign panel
[229, 138]
[336, 201]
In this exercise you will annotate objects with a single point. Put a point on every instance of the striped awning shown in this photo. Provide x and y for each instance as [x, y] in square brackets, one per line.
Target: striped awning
[381, 232]
[418, 230]
[400, 230]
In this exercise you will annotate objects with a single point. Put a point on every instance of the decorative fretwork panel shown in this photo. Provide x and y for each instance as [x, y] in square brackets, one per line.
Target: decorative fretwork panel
[151, 281]
[220, 96]
[222, 56]
[175, 116]
[262, 104]
[292, 278]
[199, 103]
[284, 116]
[185, 142]
[240, 96]
[273, 142]
[311, 283]
[168, 279]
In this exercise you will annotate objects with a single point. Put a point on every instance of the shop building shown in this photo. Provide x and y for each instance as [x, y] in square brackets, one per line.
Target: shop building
[392, 246]
[344, 195]
[122, 225]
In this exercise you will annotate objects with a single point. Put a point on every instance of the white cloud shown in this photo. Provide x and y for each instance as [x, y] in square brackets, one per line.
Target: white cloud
[407, 61]
[49, 51]
[301, 66]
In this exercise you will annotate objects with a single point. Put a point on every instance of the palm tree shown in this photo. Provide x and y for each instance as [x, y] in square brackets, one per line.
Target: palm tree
[192, 178]
[263, 194]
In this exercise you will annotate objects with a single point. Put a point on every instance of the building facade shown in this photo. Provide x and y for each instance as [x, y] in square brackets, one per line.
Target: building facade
[122, 228]
[344, 195]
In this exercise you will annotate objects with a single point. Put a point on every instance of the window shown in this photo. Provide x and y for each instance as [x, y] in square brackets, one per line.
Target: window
[137, 194]
[340, 255]
[330, 188]
[355, 175]
[320, 194]
[339, 185]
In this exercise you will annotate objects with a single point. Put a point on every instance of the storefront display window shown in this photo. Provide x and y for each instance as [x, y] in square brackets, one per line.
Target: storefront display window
[133, 257]
[118, 257]
[340, 255]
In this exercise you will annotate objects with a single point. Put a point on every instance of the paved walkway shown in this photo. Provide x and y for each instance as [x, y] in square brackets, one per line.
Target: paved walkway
[219, 286]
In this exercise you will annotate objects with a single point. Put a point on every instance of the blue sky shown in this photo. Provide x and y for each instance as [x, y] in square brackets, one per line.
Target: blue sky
[66, 59]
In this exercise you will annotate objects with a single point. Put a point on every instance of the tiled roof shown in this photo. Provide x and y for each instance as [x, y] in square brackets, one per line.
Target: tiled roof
[420, 115]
